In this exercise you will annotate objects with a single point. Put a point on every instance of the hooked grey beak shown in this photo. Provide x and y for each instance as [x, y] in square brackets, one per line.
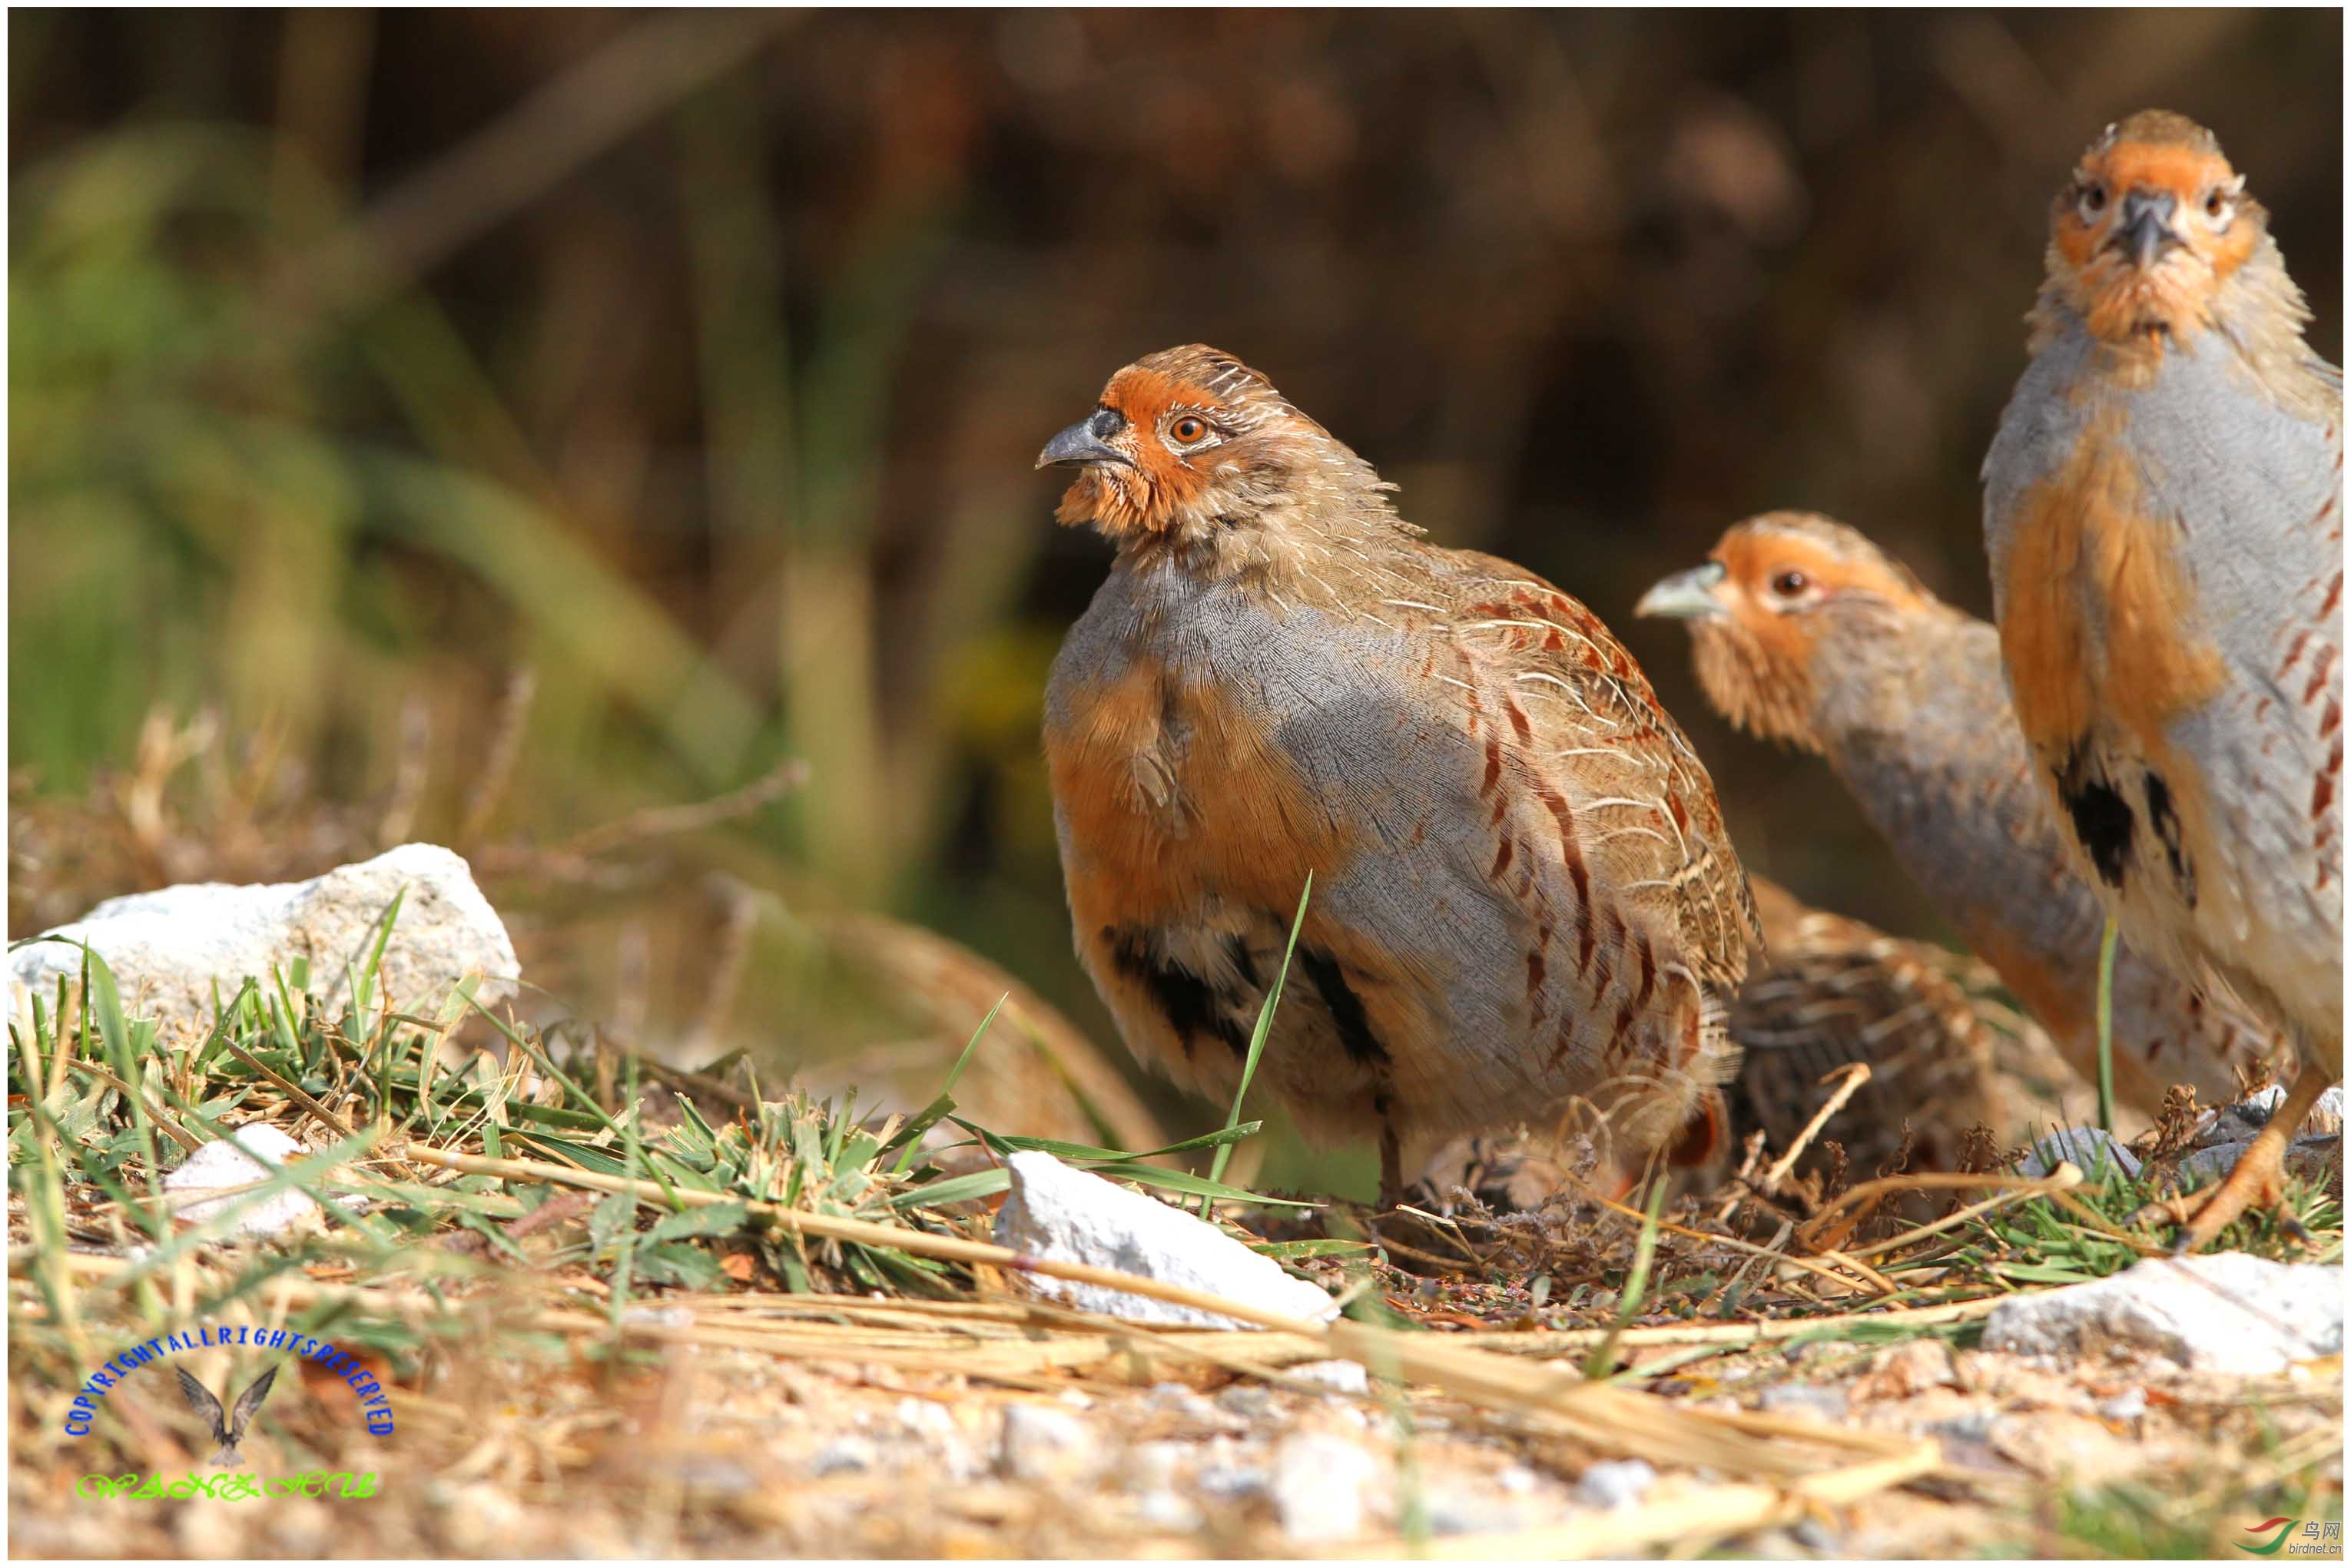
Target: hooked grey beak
[2143, 227]
[1685, 595]
[1088, 440]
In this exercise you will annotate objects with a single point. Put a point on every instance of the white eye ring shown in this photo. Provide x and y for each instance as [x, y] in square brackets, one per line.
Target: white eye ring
[2226, 214]
[2092, 202]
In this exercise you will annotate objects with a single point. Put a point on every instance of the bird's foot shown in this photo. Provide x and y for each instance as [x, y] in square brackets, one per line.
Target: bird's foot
[2257, 1182]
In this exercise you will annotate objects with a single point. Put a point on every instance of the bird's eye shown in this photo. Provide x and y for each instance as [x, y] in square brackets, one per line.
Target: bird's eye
[1789, 584]
[1188, 429]
[2219, 210]
[2092, 201]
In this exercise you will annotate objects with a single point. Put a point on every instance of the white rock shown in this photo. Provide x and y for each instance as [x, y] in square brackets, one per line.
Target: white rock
[1248, 1400]
[1231, 1482]
[1818, 1401]
[2237, 1123]
[1152, 1467]
[226, 1163]
[1616, 1483]
[2087, 1147]
[168, 947]
[2309, 1158]
[2228, 1312]
[2127, 1406]
[928, 1417]
[1039, 1443]
[1074, 1217]
[843, 1454]
[1319, 1487]
[1339, 1377]
[1163, 1509]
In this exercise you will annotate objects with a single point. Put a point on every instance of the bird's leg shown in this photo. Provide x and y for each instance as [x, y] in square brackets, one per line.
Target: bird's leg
[2260, 1176]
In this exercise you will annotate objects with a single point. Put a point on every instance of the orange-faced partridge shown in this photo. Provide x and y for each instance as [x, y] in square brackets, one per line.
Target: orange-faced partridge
[1805, 632]
[1523, 890]
[2163, 511]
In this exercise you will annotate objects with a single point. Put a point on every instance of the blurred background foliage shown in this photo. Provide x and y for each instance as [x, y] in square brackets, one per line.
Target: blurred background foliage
[485, 425]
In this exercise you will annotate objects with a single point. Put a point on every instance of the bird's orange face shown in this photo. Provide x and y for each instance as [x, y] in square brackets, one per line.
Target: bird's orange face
[2152, 224]
[1178, 437]
[1762, 604]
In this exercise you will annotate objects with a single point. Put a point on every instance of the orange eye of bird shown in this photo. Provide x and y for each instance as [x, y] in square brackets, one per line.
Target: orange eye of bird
[1789, 584]
[1188, 429]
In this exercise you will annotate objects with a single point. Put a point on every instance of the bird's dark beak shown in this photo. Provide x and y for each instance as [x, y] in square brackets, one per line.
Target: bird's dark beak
[2143, 227]
[1088, 440]
[1685, 595]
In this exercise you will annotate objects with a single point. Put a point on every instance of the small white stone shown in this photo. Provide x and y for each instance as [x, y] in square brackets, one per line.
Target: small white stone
[659, 1317]
[1248, 1400]
[1812, 1400]
[229, 1163]
[1319, 1485]
[2088, 1147]
[927, 1416]
[1152, 1467]
[1967, 1426]
[2228, 1312]
[1074, 1217]
[1232, 1482]
[1616, 1483]
[1039, 1443]
[842, 1455]
[1339, 1377]
[2127, 1406]
[1165, 1510]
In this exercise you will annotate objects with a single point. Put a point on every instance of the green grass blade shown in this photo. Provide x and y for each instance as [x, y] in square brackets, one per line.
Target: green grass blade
[909, 1138]
[2106, 1027]
[1257, 1037]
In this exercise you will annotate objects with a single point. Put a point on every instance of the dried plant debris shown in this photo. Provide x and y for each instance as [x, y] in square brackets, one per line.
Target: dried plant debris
[627, 1309]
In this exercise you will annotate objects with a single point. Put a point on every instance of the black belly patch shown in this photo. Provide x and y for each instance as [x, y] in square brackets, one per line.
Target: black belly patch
[1194, 1007]
[2166, 823]
[1346, 1007]
[2103, 820]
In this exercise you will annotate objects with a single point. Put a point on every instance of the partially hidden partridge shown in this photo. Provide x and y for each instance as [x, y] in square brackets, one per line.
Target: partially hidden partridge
[1805, 632]
[2163, 511]
[1523, 890]
[1834, 992]
[1838, 991]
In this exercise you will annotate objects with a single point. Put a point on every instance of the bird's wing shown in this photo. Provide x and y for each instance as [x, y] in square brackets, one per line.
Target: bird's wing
[2252, 494]
[200, 1400]
[248, 1403]
[1600, 732]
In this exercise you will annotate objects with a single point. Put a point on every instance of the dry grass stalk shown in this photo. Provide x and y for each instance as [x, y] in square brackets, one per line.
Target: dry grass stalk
[2057, 1182]
[664, 822]
[1854, 1075]
[1687, 1519]
[1867, 1276]
[1610, 1419]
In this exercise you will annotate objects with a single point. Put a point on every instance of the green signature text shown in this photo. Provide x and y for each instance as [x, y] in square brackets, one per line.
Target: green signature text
[229, 1487]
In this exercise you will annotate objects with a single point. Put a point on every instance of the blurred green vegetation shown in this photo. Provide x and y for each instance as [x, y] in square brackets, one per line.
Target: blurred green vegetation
[696, 363]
